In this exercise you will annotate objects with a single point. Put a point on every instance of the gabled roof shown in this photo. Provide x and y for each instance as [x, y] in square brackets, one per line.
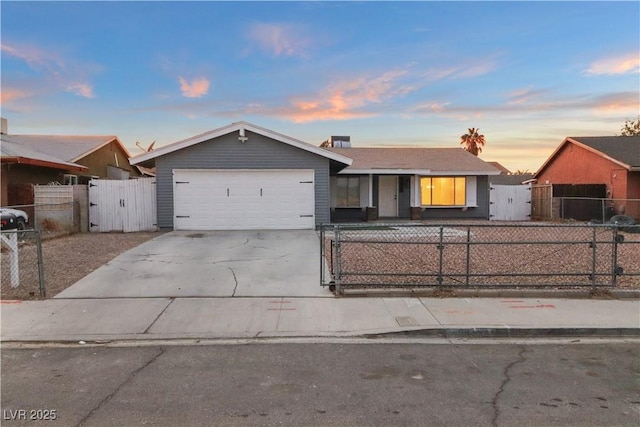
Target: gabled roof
[623, 150]
[424, 161]
[12, 152]
[501, 168]
[67, 147]
[239, 127]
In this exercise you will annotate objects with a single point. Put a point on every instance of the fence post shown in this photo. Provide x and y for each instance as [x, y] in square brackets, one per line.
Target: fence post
[468, 255]
[593, 258]
[11, 240]
[614, 256]
[43, 291]
[441, 249]
[338, 266]
[321, 254]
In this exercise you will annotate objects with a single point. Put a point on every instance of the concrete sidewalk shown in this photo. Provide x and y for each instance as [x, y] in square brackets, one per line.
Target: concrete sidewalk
[210, 318]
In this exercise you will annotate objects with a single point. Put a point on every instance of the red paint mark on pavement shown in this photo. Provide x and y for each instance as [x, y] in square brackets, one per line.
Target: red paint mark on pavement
[533, 306]
[10, 301]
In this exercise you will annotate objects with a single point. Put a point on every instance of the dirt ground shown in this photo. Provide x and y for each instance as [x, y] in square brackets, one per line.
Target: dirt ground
[66, 259]
[498, 256]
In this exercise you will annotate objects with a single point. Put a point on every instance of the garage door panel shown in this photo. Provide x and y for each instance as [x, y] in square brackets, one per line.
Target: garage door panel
[247, 199]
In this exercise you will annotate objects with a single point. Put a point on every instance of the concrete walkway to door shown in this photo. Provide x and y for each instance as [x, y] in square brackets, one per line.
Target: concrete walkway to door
[264, 263]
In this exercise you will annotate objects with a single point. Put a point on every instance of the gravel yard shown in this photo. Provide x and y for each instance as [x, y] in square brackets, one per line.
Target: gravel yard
[67, 259]
[499, 256]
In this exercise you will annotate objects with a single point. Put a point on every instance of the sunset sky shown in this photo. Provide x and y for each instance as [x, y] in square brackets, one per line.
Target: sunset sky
[528, 74]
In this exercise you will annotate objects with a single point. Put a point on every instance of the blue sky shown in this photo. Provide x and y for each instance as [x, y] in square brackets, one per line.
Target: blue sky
[527, 74]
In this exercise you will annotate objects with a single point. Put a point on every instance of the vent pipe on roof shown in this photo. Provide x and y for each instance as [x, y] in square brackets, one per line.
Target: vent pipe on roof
[4, 126]
[337, 142]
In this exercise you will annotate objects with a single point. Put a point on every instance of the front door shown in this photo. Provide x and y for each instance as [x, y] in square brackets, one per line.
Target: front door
[388, 196]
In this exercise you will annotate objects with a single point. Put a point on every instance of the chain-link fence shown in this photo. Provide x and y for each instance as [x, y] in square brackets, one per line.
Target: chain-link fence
[479, 256]
[52, 219]
[21, 265]
[601, 210]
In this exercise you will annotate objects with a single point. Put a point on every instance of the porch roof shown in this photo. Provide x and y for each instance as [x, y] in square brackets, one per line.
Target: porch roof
[420, 161]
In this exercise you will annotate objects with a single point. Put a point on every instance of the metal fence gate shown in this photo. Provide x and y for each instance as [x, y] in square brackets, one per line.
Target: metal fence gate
[128, 205]
[479, 256]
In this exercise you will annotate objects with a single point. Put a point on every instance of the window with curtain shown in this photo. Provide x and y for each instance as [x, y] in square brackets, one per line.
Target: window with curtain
[443, 191]
[348, 192]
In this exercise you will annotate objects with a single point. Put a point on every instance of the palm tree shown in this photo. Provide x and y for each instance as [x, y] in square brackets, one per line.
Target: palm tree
[472, 141]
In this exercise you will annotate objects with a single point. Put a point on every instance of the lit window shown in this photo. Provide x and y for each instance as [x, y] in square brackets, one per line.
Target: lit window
[348, 192]
[443, 191]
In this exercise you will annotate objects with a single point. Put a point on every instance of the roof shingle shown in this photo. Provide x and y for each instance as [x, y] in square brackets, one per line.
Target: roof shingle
[624, 149]
[434, 160]
[67, 147]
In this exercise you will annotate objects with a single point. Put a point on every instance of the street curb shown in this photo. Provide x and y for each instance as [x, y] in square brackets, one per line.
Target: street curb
[512, 333]
[600, 293]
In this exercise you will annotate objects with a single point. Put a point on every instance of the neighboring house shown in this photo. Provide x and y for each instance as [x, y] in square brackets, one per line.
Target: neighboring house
[22, 167]
[416, 183]
[243, 176]
[64, 159]
[611, 161]
[503, 170]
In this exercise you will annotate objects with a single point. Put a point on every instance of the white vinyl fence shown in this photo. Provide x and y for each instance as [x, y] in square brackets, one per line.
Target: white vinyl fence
[122, 205]
[510, 203]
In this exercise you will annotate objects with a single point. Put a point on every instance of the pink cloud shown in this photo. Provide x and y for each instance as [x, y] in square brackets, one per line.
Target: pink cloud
[11, 94]
[66, 75]
[524, 96]
[469, 69]
[81, 89]
[279, 39]
[36, 58]
[626, 64]
[197, 88]
[346, 99]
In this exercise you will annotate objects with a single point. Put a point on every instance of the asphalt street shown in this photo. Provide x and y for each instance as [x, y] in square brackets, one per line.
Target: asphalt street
[557, 383]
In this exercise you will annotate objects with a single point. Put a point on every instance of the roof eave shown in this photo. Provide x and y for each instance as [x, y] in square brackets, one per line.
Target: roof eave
[43, 163]
[425, 172]
[97, 147]
[571, 140]
[600, 153]
[237, 126]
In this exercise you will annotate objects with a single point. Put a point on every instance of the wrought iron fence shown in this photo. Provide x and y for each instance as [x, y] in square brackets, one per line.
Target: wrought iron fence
[22, 272]
[479, 255]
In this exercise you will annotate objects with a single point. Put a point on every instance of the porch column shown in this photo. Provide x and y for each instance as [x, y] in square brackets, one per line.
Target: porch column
[416, 210]
[372, 211]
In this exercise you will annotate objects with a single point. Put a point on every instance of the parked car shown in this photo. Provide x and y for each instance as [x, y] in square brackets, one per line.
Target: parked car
[13, 219]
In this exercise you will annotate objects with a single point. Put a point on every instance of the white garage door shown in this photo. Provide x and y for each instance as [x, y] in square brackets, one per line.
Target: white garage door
[206, 199]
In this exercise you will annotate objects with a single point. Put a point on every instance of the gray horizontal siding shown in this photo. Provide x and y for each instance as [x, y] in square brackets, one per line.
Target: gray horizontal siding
[226, 152]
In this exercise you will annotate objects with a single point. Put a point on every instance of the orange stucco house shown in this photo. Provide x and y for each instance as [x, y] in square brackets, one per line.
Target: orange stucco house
[610, 160]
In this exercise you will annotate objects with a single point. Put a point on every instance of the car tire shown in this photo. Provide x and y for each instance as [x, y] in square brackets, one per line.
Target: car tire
[20, 226]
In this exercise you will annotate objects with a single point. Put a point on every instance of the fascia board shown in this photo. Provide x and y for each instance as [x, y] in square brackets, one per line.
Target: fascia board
[425, 172]
[236, 127]
[97, 147]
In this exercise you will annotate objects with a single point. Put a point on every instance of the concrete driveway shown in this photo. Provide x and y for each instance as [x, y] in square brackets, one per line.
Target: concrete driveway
[265, 263]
